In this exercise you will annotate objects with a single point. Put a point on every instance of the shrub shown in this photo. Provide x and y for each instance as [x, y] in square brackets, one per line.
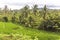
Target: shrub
[5, 19]
[13, 19]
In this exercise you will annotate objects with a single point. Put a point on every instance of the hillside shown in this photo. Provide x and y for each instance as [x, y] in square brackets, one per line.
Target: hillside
[10, 31]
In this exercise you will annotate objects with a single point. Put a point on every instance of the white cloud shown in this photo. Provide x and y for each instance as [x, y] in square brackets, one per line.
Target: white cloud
[16, 4]
[53, 2]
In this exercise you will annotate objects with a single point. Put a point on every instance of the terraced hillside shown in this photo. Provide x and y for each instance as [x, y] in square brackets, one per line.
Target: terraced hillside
[10, 31]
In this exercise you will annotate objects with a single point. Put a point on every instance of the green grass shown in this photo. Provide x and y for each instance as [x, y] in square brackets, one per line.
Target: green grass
[18, 32]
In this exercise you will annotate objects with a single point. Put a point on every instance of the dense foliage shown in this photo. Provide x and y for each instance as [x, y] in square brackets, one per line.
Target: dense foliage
[46, 19]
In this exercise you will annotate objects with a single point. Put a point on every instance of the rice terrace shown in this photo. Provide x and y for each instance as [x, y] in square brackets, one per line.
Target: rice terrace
[29, 21]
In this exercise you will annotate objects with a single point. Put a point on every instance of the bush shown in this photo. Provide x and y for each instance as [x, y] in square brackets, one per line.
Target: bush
[5, 19]
[47, 25]
[13, 19]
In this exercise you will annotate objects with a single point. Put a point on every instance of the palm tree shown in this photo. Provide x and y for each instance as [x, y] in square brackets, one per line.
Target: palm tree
[44, 16]
[44, 12]
[26, 11]
[5, 10]
[35, 8]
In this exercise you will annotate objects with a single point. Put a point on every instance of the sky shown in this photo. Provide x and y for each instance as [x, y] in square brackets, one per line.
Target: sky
[17, 4]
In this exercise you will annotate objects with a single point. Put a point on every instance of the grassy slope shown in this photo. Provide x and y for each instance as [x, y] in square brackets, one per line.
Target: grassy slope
[10, 28]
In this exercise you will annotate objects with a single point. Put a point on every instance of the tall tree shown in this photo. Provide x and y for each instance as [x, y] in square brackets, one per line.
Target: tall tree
[5, 10]
[44, 16]
[24, 14]
[26, 11]
[35, 8]
[44, 12]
